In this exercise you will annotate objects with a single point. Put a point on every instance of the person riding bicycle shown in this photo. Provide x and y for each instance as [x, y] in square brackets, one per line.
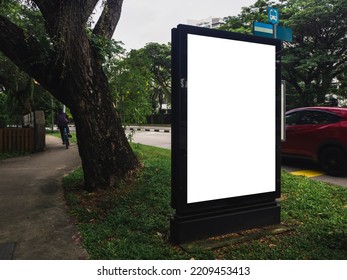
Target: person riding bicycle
[62, 122]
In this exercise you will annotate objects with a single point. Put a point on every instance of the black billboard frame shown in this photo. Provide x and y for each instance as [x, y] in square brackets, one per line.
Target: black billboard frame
[193, 221]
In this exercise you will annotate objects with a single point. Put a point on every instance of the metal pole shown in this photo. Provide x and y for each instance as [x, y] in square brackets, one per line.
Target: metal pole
[283, 110]
[52, 104]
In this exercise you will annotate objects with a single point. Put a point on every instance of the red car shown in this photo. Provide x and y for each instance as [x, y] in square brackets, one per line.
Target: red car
[319, 134]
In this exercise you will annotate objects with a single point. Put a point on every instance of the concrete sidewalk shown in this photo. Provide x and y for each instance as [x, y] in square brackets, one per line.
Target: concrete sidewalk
[34, 223]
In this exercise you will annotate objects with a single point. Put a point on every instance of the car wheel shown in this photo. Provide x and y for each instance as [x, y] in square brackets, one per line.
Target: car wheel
[333, 161]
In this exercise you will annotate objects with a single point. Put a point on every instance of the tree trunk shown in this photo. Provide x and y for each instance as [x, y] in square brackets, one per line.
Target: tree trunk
[103, 147]
[104, 150]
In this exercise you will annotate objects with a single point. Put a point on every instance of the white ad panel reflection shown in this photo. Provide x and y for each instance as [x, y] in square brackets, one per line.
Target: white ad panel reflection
[231, 118]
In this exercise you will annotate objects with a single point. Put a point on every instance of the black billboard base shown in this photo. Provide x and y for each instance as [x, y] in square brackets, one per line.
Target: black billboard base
[204, 225]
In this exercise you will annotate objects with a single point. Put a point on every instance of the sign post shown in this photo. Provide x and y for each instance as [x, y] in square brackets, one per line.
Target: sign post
[225, 165]
[272, 29]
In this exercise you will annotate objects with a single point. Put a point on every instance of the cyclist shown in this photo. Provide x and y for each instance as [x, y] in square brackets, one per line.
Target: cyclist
[62, 122]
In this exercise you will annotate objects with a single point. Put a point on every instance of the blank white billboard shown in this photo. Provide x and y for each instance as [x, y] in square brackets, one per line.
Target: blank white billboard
[231, 89]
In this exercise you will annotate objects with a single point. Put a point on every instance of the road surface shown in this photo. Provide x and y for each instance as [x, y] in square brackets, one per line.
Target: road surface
[296, 167]
[152, 138]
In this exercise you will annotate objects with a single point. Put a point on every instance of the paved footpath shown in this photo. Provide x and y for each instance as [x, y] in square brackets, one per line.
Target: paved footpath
[34, 223]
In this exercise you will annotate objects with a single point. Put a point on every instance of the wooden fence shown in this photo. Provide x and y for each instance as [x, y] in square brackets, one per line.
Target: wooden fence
[16, 140]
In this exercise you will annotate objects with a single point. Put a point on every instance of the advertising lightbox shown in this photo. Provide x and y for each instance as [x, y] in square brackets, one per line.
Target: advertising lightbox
[225, 125]
[231, 91]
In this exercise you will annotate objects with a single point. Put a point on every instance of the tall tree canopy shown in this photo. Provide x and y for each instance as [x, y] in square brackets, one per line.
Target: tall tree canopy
[158, 57]
[140, 81]
[67, 62]
[315, 63]
[317, 57]
[128, 78]
[16, 86]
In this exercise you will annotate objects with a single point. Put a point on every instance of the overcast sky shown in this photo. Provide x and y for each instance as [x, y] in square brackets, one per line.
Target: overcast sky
[144, 21]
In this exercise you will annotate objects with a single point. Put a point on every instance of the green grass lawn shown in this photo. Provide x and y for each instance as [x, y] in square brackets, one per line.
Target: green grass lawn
[8, 155]
[132, 220]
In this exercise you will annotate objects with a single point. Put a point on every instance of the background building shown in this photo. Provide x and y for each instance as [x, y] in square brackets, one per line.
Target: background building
[211, 22]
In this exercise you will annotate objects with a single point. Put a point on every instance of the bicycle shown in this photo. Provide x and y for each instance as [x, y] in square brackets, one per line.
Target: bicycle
[66, 138]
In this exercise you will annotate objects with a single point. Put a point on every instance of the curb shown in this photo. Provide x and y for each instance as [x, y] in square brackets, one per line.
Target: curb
[166, 130]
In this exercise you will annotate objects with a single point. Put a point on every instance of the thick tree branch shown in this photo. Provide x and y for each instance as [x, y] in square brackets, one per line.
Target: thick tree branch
[52, 12]
[109, 18]
[46, 7]
[88, 8]
[49, 12]
[23, 49]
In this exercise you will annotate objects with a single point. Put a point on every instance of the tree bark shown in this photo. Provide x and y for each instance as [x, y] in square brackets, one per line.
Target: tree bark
[109, 19]
[72, 72]
[104, 150]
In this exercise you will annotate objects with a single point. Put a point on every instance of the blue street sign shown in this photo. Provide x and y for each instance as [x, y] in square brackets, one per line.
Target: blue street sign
[263, 29]
[273, 15]
[284, 34]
